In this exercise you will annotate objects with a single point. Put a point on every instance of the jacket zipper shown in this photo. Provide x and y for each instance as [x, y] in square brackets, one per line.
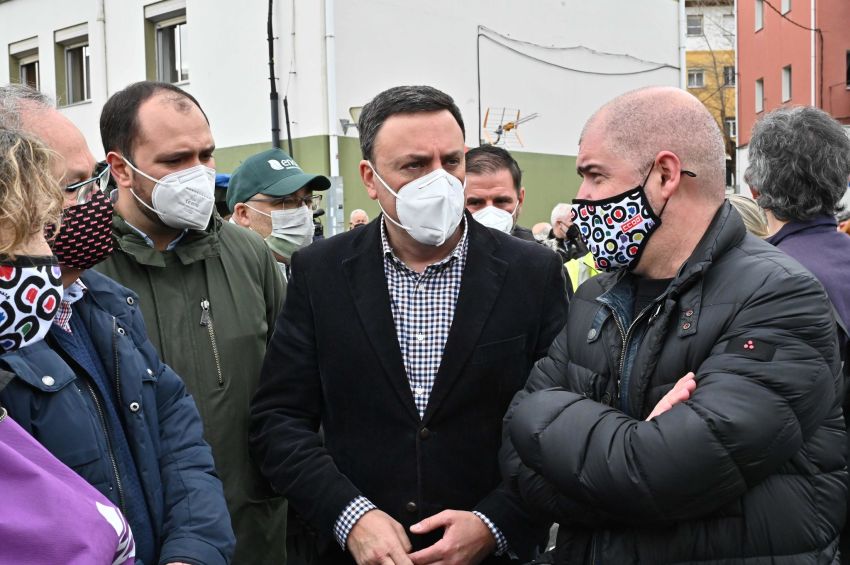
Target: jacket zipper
[593, 549]
[109, 449]
[115, 360]
[206, 321]
[625, 335]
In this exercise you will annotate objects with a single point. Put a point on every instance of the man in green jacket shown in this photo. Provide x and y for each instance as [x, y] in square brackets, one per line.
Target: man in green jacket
[209, 290]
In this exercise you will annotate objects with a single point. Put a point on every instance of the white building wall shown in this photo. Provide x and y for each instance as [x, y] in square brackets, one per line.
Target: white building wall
[718, 32]
[379, 43]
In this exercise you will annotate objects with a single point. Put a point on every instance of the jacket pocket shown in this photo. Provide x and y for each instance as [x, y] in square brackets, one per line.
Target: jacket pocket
[501, 350]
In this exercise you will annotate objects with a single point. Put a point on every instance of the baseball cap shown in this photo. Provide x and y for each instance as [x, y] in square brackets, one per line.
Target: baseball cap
[272, 173]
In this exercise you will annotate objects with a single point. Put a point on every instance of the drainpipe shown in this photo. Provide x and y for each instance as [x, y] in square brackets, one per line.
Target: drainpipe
[814, 62]
[101, 17]
[738, 186]
[683, 38]
[335, 204]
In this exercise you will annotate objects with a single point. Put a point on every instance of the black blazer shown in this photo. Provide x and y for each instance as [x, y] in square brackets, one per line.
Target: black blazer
[334, 361]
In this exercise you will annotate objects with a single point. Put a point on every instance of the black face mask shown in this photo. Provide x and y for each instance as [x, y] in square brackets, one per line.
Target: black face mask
[85, 238]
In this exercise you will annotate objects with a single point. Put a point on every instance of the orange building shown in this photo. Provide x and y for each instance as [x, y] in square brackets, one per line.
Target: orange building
[791, 52]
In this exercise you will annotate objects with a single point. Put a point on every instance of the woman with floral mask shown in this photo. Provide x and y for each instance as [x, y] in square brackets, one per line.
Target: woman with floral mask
[51, 515]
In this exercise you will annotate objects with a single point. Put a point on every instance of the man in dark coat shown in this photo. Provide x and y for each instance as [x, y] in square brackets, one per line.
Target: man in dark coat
[690, 410]
[405, 340]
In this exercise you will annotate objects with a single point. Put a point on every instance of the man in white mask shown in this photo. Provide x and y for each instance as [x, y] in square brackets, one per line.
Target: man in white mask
[404, 340]
[271, 195]
[208, 290]
[494, 191]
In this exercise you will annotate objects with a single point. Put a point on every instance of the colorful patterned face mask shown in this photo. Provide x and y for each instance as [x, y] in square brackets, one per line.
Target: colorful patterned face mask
[30, 291]
[616, 229]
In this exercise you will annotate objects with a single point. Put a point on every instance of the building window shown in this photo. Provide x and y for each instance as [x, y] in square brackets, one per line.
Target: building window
[848, 69]
[24, 65]
[695, 24]
[759, 95]
[73, 65]
[172, 65]
[728, 76]
[696, 78]
[759, 14]
[786, 83]
[77, 73]
[731, 127]
[786, 6]
[28, 71]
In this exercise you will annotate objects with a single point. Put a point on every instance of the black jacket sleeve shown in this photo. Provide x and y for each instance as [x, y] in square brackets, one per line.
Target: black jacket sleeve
[749, 415]
[286, 413]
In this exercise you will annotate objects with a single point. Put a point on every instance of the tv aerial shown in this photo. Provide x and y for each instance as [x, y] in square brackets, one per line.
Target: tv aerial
[501, 126]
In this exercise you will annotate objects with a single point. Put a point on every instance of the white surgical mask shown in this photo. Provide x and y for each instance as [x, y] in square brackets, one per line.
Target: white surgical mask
[496, 218]
[429, 208]
[184, 199]
[295, 227]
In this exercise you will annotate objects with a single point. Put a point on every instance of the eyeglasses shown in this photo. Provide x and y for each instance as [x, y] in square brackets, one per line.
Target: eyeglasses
[87, 189]
[292, 202]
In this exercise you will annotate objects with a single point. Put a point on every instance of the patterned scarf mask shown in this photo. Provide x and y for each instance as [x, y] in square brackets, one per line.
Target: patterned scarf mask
[30, 291]
[85, 238]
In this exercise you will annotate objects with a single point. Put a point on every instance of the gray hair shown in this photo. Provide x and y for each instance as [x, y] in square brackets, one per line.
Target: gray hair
[401, 100]
[799, 163]
[561, 210]
[12, 96]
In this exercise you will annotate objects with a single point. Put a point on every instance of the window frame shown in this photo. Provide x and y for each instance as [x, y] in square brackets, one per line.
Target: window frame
[701, 74]
[727, 122]
[29, 60]
[787, 83]
[759, 14]
[759, 95]
[178, 48]
[85, 66]
[733, 75]
[701, 25]
[785, 7]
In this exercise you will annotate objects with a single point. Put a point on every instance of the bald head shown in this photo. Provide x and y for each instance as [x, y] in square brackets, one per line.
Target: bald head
[58, 132]
[637, 125]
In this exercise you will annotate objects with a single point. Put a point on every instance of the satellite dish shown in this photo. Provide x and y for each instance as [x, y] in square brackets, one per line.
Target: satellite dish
[501, 126]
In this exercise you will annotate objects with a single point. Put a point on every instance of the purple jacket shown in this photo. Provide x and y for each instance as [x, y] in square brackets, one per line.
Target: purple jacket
[824, 251]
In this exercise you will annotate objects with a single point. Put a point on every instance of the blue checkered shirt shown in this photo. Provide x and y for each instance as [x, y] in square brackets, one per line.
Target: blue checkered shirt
[423, 307]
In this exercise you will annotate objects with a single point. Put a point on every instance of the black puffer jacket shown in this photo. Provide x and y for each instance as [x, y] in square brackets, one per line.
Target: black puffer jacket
[749, 470]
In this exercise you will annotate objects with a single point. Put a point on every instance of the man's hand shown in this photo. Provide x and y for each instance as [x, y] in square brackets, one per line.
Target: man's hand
[681, 392]
[466, 539]
[377, 539]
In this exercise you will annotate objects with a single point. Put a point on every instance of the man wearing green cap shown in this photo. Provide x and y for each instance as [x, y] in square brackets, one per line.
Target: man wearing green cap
[208, 290]
[271, 195]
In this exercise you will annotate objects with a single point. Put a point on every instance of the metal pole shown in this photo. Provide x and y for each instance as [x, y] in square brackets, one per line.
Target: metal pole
[273, 97]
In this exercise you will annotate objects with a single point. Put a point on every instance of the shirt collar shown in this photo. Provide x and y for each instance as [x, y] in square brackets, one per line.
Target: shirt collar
[819, 223]
[74, 292]
[457, 253]
[149, 241]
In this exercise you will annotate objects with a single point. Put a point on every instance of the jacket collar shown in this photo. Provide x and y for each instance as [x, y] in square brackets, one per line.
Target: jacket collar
[819, 224]
[196, 245]
[480, 285]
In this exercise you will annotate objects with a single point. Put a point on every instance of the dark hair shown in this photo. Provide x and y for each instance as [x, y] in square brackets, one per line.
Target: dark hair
[401, 100]
[119, 126]
[489, 159]
[799, 163]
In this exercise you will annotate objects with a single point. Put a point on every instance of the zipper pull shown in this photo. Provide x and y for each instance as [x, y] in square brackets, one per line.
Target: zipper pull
[657, 312]
[205, 312]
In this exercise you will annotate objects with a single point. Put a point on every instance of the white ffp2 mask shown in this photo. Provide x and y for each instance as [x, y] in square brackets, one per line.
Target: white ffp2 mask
[183, 199]
[429, 208]
[293, 226]
[496, 218]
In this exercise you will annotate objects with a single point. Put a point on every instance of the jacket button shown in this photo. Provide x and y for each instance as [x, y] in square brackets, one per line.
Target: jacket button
[48, 380]
[150, 372]
[134, 407]
[592, 333]
[131, 300]
[689, 313]
[686, 326]
[424, 433]
[121, 331]
[606, 399]
[410, 507]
